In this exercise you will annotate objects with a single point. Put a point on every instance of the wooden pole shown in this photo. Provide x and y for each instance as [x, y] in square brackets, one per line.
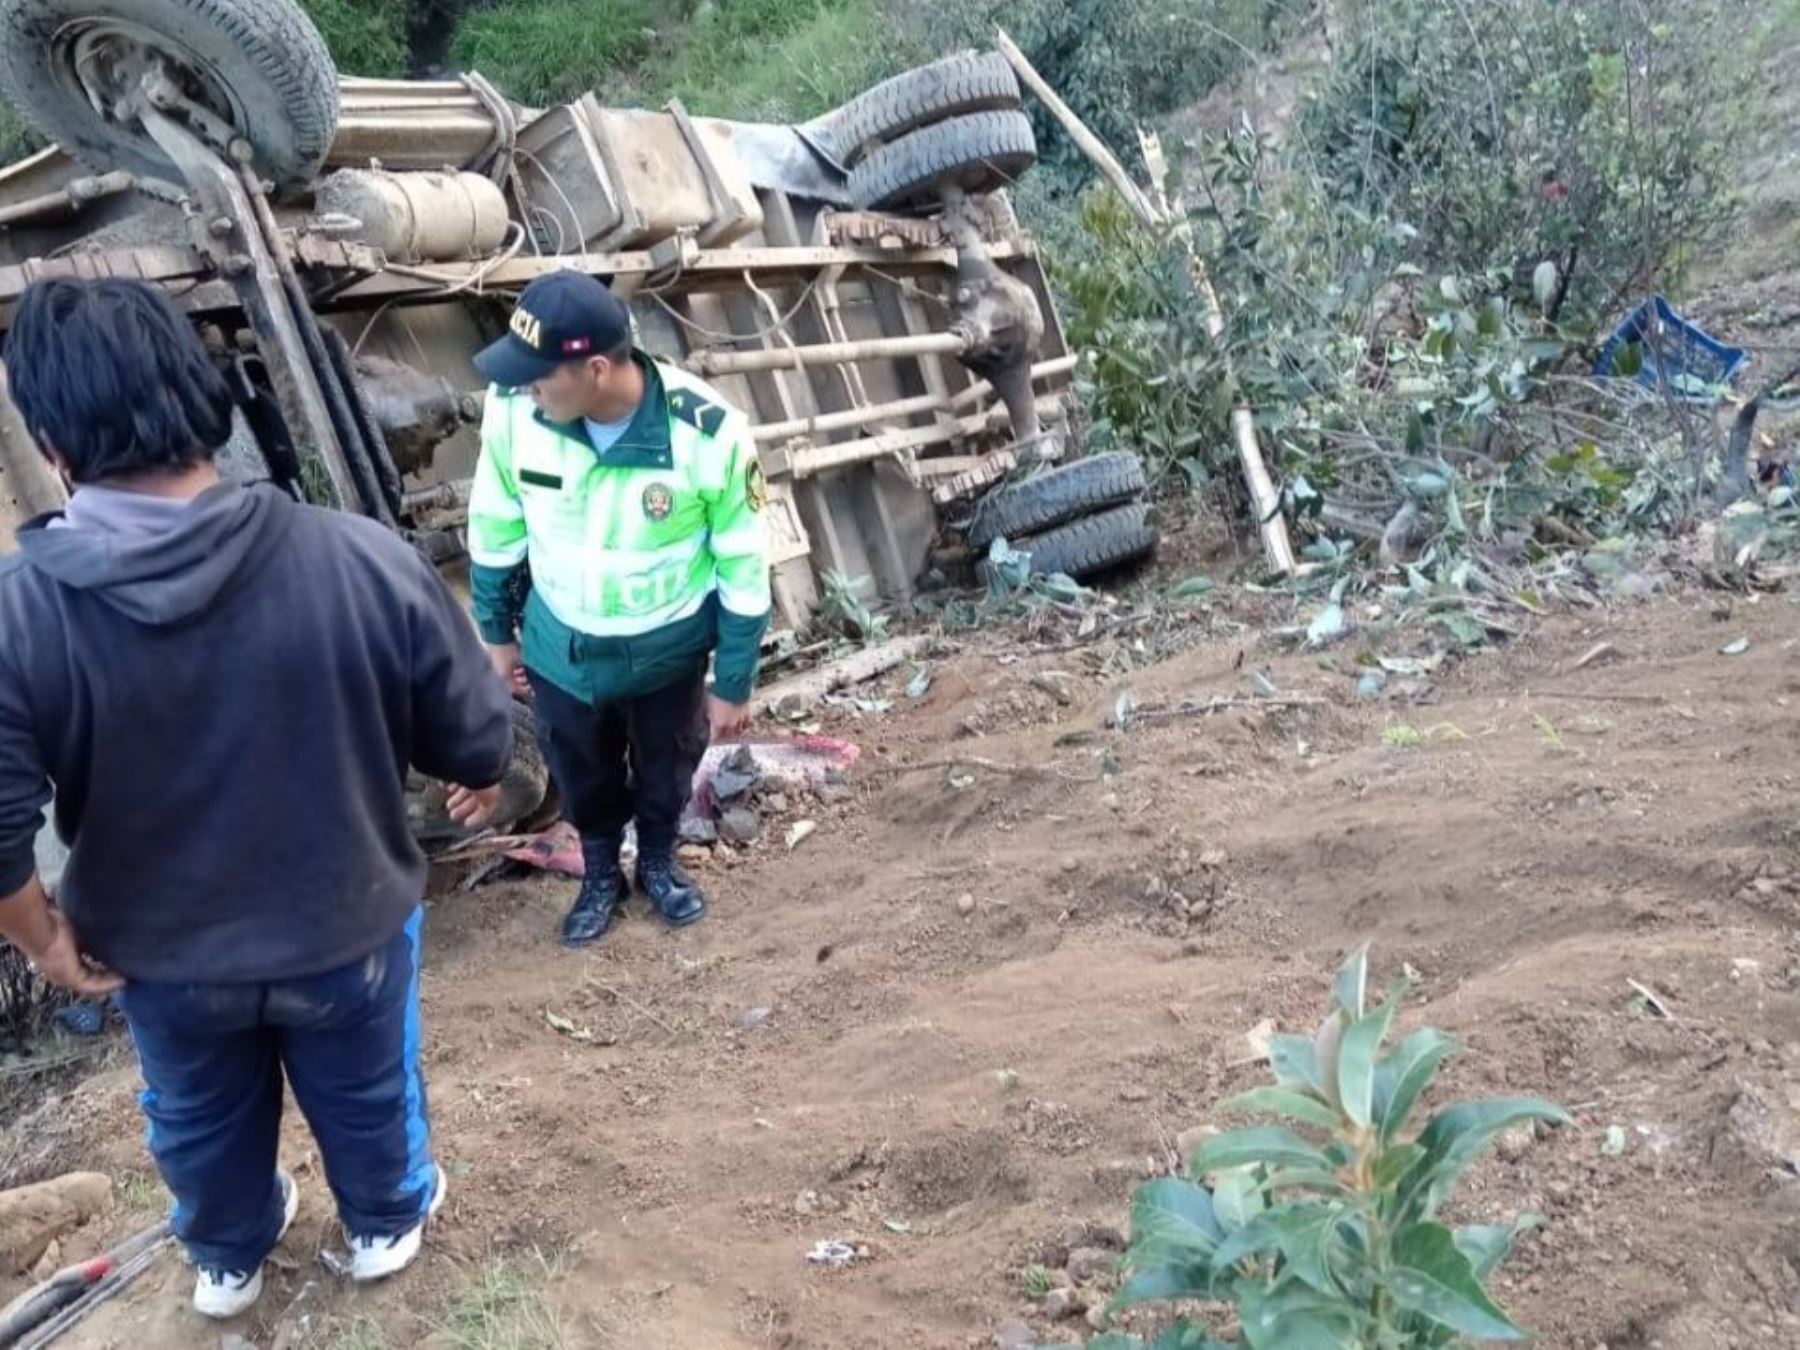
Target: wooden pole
[1265, 500]
[1154, 213]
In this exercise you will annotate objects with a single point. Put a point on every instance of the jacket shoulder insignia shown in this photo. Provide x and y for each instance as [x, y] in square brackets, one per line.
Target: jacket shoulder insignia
[696, 411]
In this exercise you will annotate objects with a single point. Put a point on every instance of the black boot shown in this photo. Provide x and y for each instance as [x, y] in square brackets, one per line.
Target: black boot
[675, 894]
[603, 890]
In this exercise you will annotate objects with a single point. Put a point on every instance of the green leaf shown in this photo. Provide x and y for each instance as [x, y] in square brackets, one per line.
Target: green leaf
[1292, 1316]
[1270, 1145]
[1256, 1238]
[1404, 1073]
[1163, 1283]
[1357, 1050]
[1628, 361]
[1451, 1141]
[1171, 1220]
[1304, 1179]
[1193, 586]
[1237, 1199]
[1431, 1277]
[1395, 1161]
[1281, 1101]
[1487, 1245]
[1305, 1235]
[1415, 434]
[1351, 985]
[1291, 1057]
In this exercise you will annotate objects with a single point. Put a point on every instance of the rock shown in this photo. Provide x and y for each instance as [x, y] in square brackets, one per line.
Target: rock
[1155, 889]
[1515, 1143]
[1085, 1263]
[1061, 1303]
[806, 1204]
[1096, 1317]
[231, 1341]
[965, 904]
[755, 1019]
[1760, 1131]
[740, 825]
[775, 803]
[32, 1217]
[1110, 801]
[1214, 858]
[1071, 864]
[1013, 1335]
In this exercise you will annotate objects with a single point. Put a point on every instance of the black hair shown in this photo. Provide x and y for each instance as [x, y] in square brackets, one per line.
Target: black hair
[110, 375]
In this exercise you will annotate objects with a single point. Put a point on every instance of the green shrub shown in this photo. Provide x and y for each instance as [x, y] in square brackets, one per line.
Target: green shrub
[1118, 63]
[551, 51]
[17, 137]
[366, 37]
[1519, 130]
[781, 60]
[1327, 1234]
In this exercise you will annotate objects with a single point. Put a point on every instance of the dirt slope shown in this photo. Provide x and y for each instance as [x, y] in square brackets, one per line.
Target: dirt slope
[986, 1080]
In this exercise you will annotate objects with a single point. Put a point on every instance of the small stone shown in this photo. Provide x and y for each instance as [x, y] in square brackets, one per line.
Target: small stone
[1514, 1144]
[1110, 801]
[232, 1341]
[965, 904]
[1061, 1303]
[806, 1204]
[1071, 864]
[1155, 889]
[1013, 1335]
[755, 1019]
[775, 803]
[1085, 1263]
[1214, 858]
[740, 825]
[1096, 1317]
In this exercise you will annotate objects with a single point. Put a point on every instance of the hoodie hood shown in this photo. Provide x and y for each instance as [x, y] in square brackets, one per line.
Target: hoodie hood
[169, 576]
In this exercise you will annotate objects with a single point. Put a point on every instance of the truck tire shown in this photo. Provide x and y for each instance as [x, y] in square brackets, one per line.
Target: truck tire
[1091, 545]
[1078, 489]
[260, 65]
[978, 153]
[964, 83]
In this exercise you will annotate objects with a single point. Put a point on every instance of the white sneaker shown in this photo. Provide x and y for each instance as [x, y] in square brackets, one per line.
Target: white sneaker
[376, 1258]
[226, 1293]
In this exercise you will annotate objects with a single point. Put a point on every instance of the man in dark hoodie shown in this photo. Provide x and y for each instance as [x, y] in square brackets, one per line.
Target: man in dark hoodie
[225, 689]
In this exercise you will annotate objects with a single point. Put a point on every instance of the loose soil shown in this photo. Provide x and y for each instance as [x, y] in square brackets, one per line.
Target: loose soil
[840, 1052]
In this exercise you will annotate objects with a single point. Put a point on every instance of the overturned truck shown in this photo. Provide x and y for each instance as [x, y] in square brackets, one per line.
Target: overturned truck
[857, 284]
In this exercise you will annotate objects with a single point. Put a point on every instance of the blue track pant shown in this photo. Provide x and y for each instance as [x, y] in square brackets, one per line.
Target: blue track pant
[213, 1056]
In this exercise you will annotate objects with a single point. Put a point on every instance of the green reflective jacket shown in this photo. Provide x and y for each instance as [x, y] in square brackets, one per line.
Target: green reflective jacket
[619, 570]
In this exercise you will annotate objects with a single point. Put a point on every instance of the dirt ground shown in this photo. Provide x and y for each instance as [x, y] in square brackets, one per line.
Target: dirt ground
[840, 1052]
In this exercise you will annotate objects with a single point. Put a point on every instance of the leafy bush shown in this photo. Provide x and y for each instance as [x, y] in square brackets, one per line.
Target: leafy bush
[1118, 63]
[366, 37]
[780, 60]
[1519, 130]
[550, 51]
[1327, 1235]
[17, 138]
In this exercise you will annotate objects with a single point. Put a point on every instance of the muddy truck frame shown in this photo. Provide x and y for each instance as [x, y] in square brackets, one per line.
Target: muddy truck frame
[858, 284]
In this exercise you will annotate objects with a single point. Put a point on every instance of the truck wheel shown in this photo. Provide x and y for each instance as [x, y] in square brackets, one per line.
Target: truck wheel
[967, 82]
[1078, 489]
[260, 66]
[978, 153]
[1091, 545]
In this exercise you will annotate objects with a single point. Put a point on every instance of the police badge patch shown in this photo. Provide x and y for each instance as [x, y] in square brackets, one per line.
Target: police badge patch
[659, 502]
[756, 487]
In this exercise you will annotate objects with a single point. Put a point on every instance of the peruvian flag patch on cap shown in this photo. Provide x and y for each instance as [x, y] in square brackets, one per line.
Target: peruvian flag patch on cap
[579, 344]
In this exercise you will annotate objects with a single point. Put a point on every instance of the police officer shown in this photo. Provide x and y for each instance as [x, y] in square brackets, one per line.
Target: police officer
[616, 539]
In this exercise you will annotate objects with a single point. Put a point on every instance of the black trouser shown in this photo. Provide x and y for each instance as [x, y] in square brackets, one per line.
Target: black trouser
[624, 759]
